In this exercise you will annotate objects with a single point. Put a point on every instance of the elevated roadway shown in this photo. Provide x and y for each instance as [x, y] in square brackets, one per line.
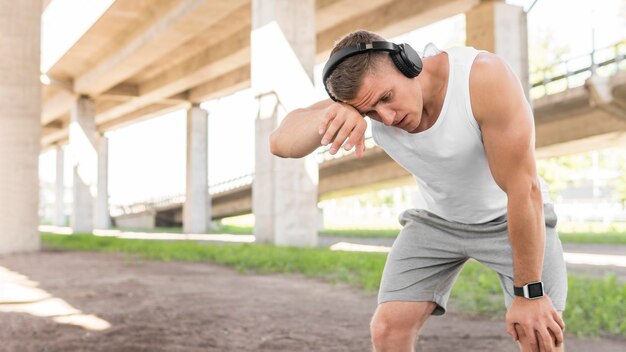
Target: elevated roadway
[141, 59]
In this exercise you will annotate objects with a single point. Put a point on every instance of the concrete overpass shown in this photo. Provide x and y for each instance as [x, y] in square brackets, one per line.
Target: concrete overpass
[141, 59]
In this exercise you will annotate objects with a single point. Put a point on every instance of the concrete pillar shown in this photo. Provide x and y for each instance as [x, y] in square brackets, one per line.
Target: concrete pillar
[83, 143]
[196, 216]
[20, 116]
[103, 218]
[501, 28]
[285, 190]
[59, 207]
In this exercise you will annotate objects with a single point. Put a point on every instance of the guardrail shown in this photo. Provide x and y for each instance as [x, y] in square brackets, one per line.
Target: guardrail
[164, 201]
[573, 72]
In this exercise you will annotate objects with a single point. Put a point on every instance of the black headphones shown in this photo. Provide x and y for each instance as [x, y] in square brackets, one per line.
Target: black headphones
[404, 57]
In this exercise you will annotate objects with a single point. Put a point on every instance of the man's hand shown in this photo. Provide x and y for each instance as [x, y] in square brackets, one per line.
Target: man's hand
[539, 320]
[343, 123]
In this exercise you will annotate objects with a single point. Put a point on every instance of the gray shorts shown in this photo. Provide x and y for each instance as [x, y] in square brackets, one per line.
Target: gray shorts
[429, 253]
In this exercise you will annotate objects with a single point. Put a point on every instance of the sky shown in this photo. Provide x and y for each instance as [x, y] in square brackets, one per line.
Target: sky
[147, 159]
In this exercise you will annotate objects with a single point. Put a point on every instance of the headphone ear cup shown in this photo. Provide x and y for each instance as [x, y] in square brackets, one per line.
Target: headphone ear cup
[401, 65]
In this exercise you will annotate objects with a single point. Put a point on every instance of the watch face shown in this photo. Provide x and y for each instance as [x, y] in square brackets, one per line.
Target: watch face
[535, 290]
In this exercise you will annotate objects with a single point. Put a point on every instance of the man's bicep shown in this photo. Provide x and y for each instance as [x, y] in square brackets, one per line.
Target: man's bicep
[509, 148]
[507, 125]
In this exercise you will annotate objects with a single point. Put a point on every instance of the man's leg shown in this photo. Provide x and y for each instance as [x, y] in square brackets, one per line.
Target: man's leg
[396, 324]
[528, 345]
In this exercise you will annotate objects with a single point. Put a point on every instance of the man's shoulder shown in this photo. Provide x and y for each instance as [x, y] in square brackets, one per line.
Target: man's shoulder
[491, 77]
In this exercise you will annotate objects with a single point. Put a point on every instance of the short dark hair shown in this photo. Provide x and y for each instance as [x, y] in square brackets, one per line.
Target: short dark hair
[346, 78]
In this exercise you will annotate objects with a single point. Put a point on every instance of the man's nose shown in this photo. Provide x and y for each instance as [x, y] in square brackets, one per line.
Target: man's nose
[386, 115]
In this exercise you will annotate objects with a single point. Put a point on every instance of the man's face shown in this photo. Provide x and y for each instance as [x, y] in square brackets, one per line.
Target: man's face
[387, 96]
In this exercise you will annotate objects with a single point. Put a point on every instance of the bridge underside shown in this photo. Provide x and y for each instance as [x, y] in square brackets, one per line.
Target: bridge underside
[142, 59]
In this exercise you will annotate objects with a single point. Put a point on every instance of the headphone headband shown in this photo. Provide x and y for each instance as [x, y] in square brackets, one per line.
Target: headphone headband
[403, 56]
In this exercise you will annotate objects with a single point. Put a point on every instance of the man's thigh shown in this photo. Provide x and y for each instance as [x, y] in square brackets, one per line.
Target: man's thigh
[423, 263]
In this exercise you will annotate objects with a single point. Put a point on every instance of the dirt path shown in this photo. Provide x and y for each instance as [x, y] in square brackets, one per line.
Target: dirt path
[158, 306]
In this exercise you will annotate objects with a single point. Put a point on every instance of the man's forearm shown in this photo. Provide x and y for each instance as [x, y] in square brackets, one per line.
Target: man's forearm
[527, 236]
[298, 135]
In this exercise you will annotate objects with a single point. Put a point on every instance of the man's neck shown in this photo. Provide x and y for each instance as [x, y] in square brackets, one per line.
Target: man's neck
[434, 85]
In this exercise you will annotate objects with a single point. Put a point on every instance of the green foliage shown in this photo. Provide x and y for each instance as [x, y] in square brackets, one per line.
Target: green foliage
[361, 233]
[596, 307]
[614, 237]
[478, 292]
[598, 238]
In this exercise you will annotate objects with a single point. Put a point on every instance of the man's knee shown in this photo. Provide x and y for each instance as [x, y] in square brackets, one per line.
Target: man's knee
[397, 323]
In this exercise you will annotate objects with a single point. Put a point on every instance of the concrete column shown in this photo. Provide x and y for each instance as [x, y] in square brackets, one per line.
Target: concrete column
[285, 190]
[83, 143]
[196, 217]
[20, 116]
[59, 211]
[501, 28]
[103, 218]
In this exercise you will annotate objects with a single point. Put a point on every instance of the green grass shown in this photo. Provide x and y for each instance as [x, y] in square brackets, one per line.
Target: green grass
[599, 238]
[566, 237]
[595, 307]
[231, 229]
[362, 233]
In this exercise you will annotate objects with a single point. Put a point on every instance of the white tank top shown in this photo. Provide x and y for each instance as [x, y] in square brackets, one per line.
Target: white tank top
[448, 160]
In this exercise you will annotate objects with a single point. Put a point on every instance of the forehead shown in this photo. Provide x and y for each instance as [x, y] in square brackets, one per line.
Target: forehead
[372, 87]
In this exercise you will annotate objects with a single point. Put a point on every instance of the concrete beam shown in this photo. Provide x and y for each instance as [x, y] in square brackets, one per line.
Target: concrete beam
[108, 34]
[347, 173]
[54, 137]
[150, 42]
[223, 85]
[235, 21]
[391, 19]
[57, 106]
[122, 90]
[225, 56]
[330, 13]
[232, 203]
[144, 113]
[579, 127]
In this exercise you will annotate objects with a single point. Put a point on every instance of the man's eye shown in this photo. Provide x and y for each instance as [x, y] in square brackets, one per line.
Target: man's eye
[372, 114]
[386, 98]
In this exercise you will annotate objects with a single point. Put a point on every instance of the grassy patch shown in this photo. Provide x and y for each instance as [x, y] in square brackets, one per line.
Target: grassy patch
[362, 233]
[599, 238]
[477, 291]
[595, 307]
[231, 229]
[566, 237]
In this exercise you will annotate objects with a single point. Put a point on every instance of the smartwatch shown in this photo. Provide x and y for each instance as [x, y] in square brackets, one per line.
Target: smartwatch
[531, 290]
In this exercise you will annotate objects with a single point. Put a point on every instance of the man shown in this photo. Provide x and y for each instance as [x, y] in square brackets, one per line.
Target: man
[459, 122]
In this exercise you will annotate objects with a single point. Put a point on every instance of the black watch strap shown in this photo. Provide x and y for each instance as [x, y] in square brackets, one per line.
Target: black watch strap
[531, 290]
